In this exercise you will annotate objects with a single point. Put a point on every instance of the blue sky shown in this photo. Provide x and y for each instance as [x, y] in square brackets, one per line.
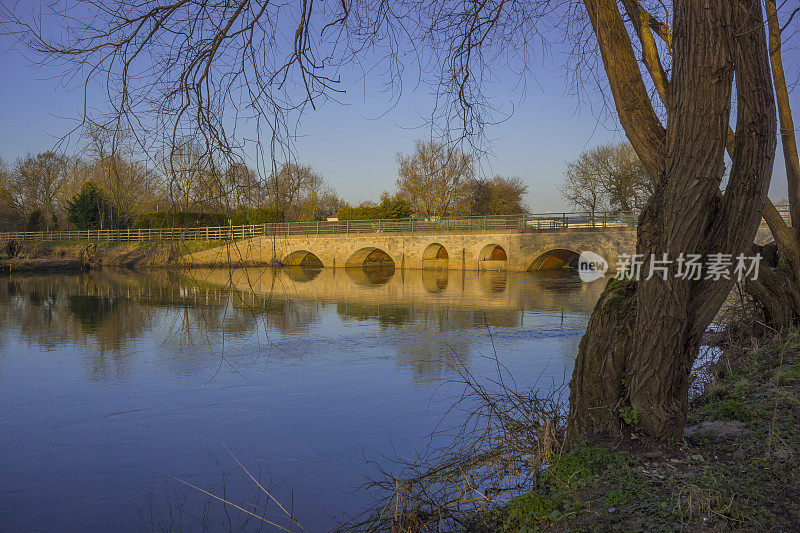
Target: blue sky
[354, 144]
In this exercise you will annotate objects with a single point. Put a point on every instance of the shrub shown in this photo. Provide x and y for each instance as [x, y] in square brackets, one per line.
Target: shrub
[36, 221]
[13, 248]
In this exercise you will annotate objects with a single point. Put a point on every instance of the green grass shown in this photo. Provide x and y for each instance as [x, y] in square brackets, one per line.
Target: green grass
[746, 483]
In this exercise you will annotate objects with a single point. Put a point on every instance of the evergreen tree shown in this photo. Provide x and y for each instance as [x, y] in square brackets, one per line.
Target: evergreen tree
[86, 209]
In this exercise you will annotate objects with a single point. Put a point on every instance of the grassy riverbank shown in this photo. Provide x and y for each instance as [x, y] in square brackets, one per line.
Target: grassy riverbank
[738, 468]
[33, 256]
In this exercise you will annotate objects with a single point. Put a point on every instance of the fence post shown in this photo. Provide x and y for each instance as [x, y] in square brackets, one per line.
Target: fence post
[379, 225]
[524, 221]
[564, 220]
[317, 227]
[484, 222]
[347, 226]
[412, 225]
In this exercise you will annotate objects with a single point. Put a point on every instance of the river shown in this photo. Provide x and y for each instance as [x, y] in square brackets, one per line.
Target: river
[113, 384]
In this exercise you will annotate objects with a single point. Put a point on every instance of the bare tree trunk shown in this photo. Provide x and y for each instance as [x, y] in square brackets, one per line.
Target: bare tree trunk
[634, 361]
[777, 291]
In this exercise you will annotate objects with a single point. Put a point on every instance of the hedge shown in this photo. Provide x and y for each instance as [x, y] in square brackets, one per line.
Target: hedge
[188, 219]
[259, 215]
[388, 208]
[179, 219]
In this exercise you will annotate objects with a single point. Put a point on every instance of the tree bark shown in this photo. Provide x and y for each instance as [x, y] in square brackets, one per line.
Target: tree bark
[777, 291]
[634, 362]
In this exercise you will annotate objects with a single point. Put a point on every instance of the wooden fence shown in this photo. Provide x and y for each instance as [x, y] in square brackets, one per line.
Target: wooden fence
[526, 222]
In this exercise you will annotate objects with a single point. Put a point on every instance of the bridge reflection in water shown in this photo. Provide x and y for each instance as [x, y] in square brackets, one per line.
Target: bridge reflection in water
[488, 290]
[116, 308]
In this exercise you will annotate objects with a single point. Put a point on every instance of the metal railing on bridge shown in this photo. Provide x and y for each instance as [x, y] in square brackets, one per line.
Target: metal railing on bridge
[525, 222]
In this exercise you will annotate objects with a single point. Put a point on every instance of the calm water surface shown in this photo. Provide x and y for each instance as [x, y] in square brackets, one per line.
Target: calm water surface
[110, 382]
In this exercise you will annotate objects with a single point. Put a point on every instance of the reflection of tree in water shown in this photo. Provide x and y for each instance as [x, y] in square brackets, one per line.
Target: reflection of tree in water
[432, 343]
[449, 318]
[55, 310]
[429, 335]
[224, 316]
[91, 311]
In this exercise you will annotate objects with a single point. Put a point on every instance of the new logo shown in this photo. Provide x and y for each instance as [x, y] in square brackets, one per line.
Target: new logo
[591, 266]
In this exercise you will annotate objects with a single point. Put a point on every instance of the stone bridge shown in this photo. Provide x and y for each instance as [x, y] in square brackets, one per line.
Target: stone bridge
[510, 250]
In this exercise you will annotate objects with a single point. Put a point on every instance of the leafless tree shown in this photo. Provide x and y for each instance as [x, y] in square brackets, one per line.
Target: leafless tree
[241, 188]
[128, 185]
[496, 196]
[644, 336]
[9, 216]
[296, 191]
[187, 175]
[583, 186]
[434, 177]
[36, 181]
[609, 176]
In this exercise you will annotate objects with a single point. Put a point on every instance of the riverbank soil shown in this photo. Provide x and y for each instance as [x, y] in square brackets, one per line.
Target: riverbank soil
[738, 467]
[36, 256]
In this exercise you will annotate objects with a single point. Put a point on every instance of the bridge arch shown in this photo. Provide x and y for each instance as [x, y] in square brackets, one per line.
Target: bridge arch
[435, 256]
[370, 257]
[492, 257]
[556, 259]
[302, 258]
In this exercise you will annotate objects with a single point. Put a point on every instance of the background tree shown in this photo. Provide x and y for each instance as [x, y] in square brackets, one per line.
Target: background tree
[433, 178]
[127, 184]
[497, 196]
[186, 170]
[35, 184]
[610, 176]
[297, 191]
[9, 215]
[582, 187]
[241, 189]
